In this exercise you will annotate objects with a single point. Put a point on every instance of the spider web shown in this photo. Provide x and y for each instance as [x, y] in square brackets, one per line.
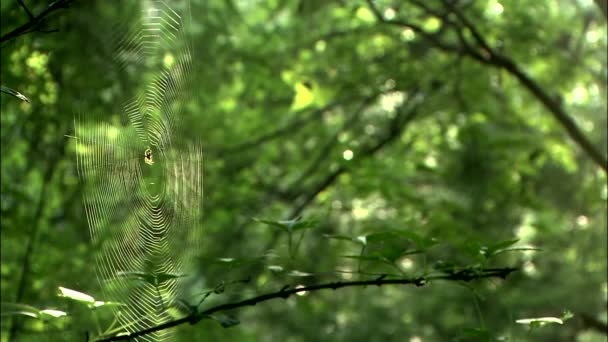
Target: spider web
[143, 217]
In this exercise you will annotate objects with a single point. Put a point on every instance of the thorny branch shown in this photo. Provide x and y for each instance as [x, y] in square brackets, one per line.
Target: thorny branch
[464, 275]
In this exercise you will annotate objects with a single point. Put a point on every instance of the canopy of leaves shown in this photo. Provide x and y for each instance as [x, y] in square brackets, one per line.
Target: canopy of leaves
[342, 140]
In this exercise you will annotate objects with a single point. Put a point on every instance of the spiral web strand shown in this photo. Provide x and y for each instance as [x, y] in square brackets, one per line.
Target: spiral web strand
[142, 183]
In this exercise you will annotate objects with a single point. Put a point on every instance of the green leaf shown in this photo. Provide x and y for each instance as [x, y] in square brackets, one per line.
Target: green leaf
[368, 257]
[418, 240]
[75, 295]
[475, 249]
[290, 225]
[296, 273]
[361, 240]
[30, 311]
[99, 304]
[12, 309]
[304, 225]
[540, 321]
[14, 93]
[303, 97]
[483, 334]
[225, 321]
[365, 15]
[567, 315]
[275, 268]
[51, 314]
[445, 266]
[272, 223]
[339, 237]
[22, 313]
[388, 255]
[163, 277]
[234, 262]
[493, 249]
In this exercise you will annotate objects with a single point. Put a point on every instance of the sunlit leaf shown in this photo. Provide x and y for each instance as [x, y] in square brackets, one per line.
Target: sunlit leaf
[296, 273]
[99, 304]
[9, 309]
[275, 268]
[52, 313]
[75, 295]
[365, 15]
[22, 313]
[361, 239]
[540, 321]
[303, 97]
[14, 93]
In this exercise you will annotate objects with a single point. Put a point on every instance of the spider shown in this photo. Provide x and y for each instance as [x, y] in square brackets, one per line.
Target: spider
[148, 156]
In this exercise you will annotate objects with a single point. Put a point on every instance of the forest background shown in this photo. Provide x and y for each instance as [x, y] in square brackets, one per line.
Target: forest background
[400, 138]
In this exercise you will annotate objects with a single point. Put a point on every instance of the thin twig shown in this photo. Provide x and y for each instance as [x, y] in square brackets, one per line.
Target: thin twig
[27, 10]
[34, 21]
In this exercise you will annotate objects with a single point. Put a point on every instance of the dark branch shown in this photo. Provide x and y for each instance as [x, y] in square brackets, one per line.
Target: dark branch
[35, 21]
[434, 39]
[27, 10]
[555, 108]
[490, 57]
[476, 34]
[593, 323]
[503, 62]
[465, 275]
[285, 130]
[406, 114]
[325, 150]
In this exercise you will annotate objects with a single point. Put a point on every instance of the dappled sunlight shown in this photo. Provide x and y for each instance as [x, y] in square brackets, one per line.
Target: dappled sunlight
[494, 8]
[347, 154]
[526, 231]
[424, 170]
[390, 101]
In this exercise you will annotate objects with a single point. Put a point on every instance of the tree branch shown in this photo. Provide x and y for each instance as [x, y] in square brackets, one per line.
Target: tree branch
[325, 150]
[394, 131]
[465, 275]
[490, 57]
[289, 128]
[27, 10]
[34, 21]
[555, 108]
[434, 39]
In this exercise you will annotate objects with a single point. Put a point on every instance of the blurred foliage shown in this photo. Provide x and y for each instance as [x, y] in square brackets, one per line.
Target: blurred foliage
[400, 158]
